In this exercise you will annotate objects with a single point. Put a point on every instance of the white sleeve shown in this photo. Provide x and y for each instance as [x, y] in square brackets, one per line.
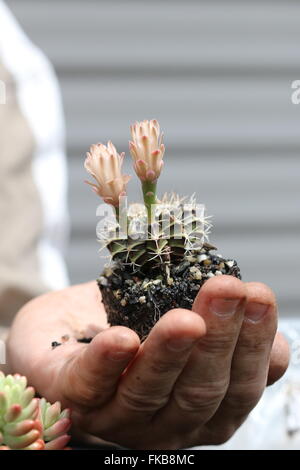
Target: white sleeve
[40, 102]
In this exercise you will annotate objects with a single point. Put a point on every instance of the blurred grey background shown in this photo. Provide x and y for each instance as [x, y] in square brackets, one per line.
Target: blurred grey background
[217, 75]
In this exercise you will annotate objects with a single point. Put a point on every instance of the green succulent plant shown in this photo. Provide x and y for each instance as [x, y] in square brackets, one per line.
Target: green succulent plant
[29, 423]
[178, 231]
[158, 233]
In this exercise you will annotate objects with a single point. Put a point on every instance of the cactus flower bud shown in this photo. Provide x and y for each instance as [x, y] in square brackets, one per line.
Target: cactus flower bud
[147, 150]
[104, 164]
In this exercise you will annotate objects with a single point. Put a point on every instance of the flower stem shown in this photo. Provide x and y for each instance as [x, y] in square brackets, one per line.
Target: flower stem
[149, 193]
[117, 211]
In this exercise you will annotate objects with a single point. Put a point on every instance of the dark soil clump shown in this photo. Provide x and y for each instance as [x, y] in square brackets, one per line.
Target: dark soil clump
[137, 301]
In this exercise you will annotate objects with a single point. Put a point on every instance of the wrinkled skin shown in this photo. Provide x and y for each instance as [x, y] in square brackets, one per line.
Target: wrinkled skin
[192, 382]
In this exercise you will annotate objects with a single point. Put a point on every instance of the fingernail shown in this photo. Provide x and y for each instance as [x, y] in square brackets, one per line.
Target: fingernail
[255, 311]
[224, 307]
[120, 355]
[180, 344]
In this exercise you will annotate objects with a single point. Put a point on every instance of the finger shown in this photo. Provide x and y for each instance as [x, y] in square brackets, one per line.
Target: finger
[148, 383]
[250, 362]
[90, 378]
[204, 381]
[150, 380]
[280, 356]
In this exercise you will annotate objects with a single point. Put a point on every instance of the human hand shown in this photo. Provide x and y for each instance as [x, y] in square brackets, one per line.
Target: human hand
[192, 382]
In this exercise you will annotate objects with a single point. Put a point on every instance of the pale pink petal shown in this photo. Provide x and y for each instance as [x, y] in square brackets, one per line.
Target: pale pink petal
[104, 164]
[146, 139]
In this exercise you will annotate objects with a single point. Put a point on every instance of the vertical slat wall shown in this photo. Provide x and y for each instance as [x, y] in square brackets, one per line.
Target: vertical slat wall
[218, 77]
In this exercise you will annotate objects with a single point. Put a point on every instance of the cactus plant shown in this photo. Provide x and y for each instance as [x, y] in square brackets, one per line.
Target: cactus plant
[29, 423]
[160, 255]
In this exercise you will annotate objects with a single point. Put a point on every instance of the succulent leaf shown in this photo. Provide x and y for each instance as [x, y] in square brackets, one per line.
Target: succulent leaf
[55, 422]
[27, 422]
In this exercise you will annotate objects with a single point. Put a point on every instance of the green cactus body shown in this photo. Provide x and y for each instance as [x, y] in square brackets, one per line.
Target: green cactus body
[177, 231]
